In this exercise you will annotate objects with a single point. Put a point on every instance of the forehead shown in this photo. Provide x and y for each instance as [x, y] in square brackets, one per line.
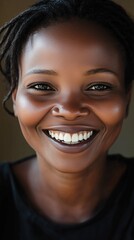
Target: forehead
[73, 29]
[75, 40]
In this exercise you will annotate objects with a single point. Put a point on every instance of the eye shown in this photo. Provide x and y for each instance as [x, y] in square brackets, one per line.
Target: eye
[99, 87]
[41, 86]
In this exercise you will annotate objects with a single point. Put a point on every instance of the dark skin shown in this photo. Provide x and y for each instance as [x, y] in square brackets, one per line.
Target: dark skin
[69, 183]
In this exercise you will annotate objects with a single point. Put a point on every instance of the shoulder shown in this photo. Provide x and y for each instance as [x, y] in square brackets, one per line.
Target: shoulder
[4, 172]
[123, 165]
[9, 189]
[120, 159]
[5, 181]
[126, 183]
[5, 199]
[8, 178]
[123, 171]
[129, 162]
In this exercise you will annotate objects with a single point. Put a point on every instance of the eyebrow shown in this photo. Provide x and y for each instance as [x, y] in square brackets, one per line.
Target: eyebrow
[42, 71]
[99, 70]
[87, 73]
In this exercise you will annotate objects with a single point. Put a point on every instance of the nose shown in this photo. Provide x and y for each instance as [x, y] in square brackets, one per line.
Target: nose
[70, 108]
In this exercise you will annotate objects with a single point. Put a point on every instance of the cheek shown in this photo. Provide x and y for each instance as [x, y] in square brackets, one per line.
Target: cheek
[112, 111]
[29, 111]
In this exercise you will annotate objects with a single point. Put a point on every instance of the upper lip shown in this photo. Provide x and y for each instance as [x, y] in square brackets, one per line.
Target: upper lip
[71, 128]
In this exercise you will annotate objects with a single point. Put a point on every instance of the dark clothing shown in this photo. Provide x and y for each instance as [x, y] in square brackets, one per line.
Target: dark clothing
[115, 221]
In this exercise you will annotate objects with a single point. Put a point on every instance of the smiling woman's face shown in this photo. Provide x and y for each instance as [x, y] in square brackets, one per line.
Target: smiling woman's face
[71, 99]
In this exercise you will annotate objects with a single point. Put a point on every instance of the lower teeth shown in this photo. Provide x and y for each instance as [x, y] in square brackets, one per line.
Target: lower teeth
[70, 143]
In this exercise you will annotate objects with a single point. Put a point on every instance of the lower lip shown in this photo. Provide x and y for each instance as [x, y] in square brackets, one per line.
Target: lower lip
[72, 148]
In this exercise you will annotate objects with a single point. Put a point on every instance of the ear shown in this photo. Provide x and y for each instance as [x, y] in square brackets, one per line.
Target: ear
[14, 102]
[128, 96]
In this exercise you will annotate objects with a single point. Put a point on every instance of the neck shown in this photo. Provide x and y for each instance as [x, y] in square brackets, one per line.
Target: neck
[68, 197]
[71, 196]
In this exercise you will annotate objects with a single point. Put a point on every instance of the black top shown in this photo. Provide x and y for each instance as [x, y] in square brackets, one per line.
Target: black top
[18, 221]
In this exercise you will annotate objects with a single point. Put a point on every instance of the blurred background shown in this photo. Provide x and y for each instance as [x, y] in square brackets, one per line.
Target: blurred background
[12, 144]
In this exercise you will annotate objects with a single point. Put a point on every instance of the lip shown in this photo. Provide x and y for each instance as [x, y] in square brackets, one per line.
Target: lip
[71, 129]
[72, 148]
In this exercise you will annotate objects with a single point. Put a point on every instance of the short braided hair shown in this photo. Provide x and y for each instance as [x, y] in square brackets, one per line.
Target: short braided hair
[15, 33]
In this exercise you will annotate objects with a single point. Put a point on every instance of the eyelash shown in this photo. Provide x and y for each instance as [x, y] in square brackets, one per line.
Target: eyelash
[99, 87]
[47, 87]
[41, 86]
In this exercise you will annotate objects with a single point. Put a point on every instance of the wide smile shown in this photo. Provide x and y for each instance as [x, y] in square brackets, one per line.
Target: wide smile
[71, 140]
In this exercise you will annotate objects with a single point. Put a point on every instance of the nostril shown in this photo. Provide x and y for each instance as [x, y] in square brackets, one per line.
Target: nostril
[84, 111]
[69, 113]
[55, 110]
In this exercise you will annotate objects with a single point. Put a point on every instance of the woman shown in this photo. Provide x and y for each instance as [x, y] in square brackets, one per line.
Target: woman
[69, 65]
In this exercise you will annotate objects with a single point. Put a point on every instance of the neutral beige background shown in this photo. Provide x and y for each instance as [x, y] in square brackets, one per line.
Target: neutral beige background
[12, 144]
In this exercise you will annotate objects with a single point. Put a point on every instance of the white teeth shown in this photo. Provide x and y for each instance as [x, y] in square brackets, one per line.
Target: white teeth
[85, 136]
[61, 136]
[80, 137]
[71, 138]
[89, 134]
[53, 135]
[67, 137]
[75, 137]
[56, 136]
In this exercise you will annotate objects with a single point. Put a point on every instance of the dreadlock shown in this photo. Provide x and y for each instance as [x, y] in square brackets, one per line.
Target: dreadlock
[15, 33]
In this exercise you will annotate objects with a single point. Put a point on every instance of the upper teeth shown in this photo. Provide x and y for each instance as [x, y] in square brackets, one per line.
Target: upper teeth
[71, 138]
